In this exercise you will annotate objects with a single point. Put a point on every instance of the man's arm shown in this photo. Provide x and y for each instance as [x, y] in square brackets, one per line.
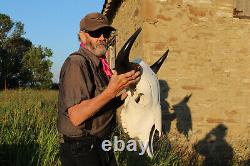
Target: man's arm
[87, 108]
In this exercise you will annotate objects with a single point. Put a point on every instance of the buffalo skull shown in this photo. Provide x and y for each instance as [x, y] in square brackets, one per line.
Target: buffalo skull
[141, 112]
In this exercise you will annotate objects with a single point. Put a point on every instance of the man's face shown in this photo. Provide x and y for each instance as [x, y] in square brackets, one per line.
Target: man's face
[96, 41]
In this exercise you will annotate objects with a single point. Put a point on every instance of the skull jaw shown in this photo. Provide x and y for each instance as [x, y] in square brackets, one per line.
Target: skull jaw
[140, 126]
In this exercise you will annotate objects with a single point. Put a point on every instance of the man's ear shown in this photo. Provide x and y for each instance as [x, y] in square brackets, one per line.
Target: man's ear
[82, 37]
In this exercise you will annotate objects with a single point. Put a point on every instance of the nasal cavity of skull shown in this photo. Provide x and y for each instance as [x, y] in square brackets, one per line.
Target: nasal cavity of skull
[138, 98]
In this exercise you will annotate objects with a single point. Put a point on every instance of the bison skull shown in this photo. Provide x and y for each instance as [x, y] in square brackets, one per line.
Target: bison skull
[141, 110]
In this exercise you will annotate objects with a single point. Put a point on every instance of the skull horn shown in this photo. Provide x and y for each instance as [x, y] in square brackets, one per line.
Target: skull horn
[156, 66]
[122, 60]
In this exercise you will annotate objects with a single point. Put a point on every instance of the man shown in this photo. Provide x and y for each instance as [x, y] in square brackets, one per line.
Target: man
[87, 96]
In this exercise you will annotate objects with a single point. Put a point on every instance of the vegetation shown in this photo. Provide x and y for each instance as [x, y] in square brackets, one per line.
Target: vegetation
[22, 64]
[27, 126]
[29, 136]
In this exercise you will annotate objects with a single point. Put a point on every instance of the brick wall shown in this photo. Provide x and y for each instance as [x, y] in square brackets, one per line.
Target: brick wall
[209, 58]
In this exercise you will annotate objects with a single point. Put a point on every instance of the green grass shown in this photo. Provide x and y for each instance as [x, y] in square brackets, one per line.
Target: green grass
[29, 135]
[28, 131]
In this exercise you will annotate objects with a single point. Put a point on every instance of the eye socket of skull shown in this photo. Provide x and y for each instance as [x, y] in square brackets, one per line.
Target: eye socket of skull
[138, 98]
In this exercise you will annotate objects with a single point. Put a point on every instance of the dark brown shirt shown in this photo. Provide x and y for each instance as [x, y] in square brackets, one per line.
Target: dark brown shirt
[82, 78]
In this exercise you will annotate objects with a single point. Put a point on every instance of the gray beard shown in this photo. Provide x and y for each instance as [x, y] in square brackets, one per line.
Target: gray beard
[100, 52]
[97, 51]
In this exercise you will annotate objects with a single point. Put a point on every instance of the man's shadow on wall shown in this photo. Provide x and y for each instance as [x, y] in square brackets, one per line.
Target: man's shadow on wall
[181, 112]
[215, 148]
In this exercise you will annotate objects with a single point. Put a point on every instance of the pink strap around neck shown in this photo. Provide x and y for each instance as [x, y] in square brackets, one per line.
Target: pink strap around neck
[105, 67]
[83, 45]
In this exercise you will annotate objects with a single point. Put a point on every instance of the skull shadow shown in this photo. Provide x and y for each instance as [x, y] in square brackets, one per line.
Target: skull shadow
[181, 112]
[183, 116]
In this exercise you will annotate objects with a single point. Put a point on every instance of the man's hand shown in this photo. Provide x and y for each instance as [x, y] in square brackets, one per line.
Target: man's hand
[87, 108]
[119, 82]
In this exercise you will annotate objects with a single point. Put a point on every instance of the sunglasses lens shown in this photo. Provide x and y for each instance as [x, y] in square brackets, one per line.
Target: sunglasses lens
[106, 34]
[95, 34]
[98, 33]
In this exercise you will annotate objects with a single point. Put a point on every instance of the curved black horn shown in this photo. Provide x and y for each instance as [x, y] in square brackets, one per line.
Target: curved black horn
[156, 66]
[122, 60]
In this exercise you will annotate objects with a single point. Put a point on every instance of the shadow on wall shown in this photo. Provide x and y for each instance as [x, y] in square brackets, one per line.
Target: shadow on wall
[247, 162]
[183, 116]
[181, 112]
[167, 117]
[215, 148]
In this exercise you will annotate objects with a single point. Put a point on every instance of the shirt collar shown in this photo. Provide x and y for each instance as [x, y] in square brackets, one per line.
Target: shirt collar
[93, 58]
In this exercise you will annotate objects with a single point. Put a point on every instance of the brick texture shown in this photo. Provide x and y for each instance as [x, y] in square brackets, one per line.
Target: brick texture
[209, 58]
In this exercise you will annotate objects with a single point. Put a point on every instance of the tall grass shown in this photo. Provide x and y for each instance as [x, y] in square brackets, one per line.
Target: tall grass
[27, 126]
[29, 136]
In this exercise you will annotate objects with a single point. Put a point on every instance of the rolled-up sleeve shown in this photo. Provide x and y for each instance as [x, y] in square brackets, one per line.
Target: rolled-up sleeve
[73, 81]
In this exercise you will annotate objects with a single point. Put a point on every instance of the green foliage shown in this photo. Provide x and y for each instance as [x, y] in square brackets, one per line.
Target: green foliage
[16, 53]
[36, 62]
[27, 126]
[5, 26]
[29, 136]
[13, 51]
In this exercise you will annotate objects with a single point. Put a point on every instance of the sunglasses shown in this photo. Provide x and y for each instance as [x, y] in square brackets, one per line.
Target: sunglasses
[98, 33]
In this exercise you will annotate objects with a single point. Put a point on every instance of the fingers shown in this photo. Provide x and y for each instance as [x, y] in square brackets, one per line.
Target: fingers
[136, 75]
[122, 81]
[128, 74]
[130, 78]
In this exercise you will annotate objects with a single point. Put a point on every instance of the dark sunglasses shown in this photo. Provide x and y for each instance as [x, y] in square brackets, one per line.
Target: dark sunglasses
[98, 33]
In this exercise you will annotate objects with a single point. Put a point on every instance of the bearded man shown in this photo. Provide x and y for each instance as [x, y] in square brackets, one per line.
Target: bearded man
[88, 96]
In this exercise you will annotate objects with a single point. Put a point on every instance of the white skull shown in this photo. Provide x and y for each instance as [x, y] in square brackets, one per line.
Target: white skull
[142, 109]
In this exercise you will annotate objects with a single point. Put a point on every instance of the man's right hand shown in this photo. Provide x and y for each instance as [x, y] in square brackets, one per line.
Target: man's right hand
[119, 82]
